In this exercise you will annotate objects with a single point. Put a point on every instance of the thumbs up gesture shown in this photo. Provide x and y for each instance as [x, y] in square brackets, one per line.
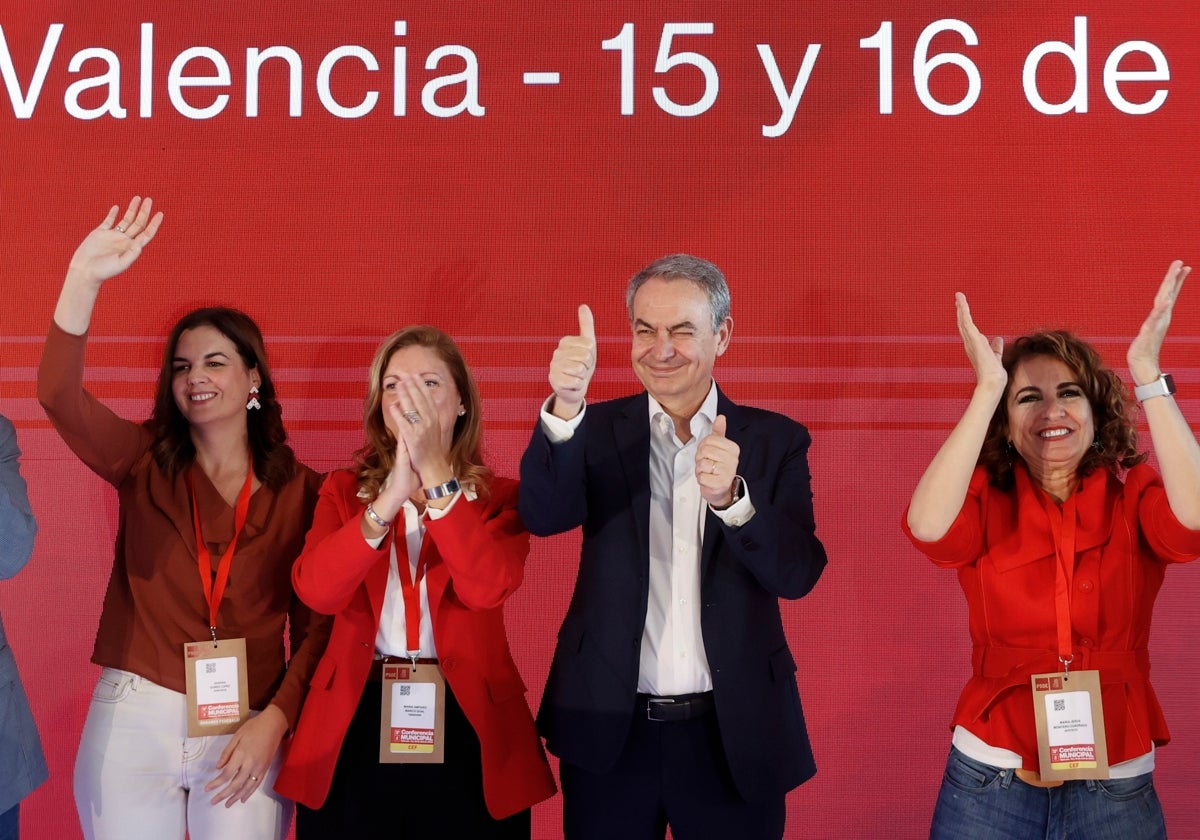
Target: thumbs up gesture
[572, 367]
[716, 465]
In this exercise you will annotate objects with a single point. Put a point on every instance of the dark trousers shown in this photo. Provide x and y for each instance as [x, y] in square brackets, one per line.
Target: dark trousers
[369, 800]
[669, 773]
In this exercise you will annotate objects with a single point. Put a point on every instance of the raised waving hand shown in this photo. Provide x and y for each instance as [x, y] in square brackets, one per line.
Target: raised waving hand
[104, 253]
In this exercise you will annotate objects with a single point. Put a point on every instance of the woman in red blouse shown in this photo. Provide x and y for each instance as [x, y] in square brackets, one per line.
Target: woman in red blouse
[1060, 534]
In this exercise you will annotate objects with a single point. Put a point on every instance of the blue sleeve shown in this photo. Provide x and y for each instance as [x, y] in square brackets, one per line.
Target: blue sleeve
[17, 526]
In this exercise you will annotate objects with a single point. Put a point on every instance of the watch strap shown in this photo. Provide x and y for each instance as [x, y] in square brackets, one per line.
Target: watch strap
[1163, 386]
[442, 490]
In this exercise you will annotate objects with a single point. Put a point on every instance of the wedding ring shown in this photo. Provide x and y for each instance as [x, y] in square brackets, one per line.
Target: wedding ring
[120, 229]
[412, 416]
[254, 778]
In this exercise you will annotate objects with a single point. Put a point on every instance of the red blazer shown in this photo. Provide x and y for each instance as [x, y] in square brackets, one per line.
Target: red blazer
[475, 558]
[1004, 550]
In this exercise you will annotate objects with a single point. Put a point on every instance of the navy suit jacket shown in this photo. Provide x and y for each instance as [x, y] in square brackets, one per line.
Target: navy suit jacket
[600, 479]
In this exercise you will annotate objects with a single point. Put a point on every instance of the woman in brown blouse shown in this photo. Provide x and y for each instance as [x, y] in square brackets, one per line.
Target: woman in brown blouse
[213, 510]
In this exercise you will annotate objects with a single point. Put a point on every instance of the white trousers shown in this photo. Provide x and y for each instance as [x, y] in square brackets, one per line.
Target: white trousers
[138, 774]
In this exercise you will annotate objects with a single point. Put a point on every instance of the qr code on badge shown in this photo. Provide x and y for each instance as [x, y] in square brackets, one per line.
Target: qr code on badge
[1060, 705]
[210, 667]
[405, 690]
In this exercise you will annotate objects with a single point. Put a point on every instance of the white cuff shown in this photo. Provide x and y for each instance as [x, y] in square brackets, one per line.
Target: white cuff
[556, 429]
[738, 513]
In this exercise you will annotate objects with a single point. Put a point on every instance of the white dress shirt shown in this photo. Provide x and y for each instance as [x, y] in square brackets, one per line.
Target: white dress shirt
[672, 659]
[391, 639]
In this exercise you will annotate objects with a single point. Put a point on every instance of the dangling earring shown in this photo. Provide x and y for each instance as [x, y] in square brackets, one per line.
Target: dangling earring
[253, 403]
[1011, 452]
[1096, 444]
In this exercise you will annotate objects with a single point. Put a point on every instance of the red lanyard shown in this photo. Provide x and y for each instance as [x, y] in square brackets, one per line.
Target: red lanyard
[215, 590]
[1062, 524]
[410, 587]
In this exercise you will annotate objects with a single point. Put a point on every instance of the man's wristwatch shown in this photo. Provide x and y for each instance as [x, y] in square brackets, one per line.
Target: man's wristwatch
[1164, 386]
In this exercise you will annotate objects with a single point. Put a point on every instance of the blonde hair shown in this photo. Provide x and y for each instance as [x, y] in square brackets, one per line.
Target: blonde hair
[376, 458]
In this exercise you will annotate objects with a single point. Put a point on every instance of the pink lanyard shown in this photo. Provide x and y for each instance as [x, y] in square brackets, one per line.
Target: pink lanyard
[215, 590]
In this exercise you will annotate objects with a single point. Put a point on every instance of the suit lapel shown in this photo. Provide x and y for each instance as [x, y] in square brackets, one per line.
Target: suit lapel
[736, 429]
[631, 433]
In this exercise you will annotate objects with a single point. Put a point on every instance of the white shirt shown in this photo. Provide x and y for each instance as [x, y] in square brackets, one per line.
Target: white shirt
[672, 659]
[391, 638]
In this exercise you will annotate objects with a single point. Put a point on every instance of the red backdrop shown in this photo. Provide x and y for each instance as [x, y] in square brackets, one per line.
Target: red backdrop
[339, 174]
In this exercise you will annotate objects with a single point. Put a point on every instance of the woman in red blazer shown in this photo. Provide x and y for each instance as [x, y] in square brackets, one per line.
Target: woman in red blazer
[1060, 534]
[414, 552]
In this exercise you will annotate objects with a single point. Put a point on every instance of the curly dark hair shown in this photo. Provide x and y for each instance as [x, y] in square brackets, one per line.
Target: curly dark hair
[274, 461]
[1116, 438]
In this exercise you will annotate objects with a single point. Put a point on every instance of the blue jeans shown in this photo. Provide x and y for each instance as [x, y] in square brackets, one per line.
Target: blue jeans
[982, 802]
[10, 823]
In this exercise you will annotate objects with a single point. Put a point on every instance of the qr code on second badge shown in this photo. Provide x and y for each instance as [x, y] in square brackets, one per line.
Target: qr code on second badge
[1060, 705]
[405, 690]
[210, 667]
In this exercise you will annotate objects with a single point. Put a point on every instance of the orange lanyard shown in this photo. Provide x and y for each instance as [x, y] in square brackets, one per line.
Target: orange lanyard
[215, 590]
[1062, 524]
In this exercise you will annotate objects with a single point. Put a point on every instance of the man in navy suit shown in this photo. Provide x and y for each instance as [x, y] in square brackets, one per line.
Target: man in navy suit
[672, 696]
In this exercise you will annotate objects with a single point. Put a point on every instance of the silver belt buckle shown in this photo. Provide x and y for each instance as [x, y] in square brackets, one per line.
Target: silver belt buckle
[651, 702]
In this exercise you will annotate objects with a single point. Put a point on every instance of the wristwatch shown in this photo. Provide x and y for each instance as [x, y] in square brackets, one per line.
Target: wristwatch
[1164, 386]
[442, 490]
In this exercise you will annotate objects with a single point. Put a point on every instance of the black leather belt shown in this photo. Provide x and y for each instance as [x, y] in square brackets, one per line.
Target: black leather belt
[376, 672]
[679, 707]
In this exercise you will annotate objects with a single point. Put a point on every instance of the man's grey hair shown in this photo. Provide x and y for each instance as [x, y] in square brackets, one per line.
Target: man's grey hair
[686, 267]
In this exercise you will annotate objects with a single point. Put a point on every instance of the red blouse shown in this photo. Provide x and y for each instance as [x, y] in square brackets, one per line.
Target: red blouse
[1003, 548]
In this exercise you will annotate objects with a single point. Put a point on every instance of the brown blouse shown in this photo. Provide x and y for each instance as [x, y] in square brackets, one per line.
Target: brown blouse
[154, 603]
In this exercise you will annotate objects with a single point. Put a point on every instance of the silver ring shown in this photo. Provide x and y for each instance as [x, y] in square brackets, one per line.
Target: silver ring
[254, 778]
[120, 229]
[412, 416]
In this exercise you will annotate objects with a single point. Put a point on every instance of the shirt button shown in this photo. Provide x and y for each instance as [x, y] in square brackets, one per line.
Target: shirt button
[1087, 643]
[1086, 586]
[683, 602]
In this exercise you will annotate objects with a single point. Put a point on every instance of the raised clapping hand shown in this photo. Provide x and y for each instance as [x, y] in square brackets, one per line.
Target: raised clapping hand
[403, 480]
[984, 355]
[428, 444]
[1143, 352]
[114, 246]
[716, 465]
[572, 366]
